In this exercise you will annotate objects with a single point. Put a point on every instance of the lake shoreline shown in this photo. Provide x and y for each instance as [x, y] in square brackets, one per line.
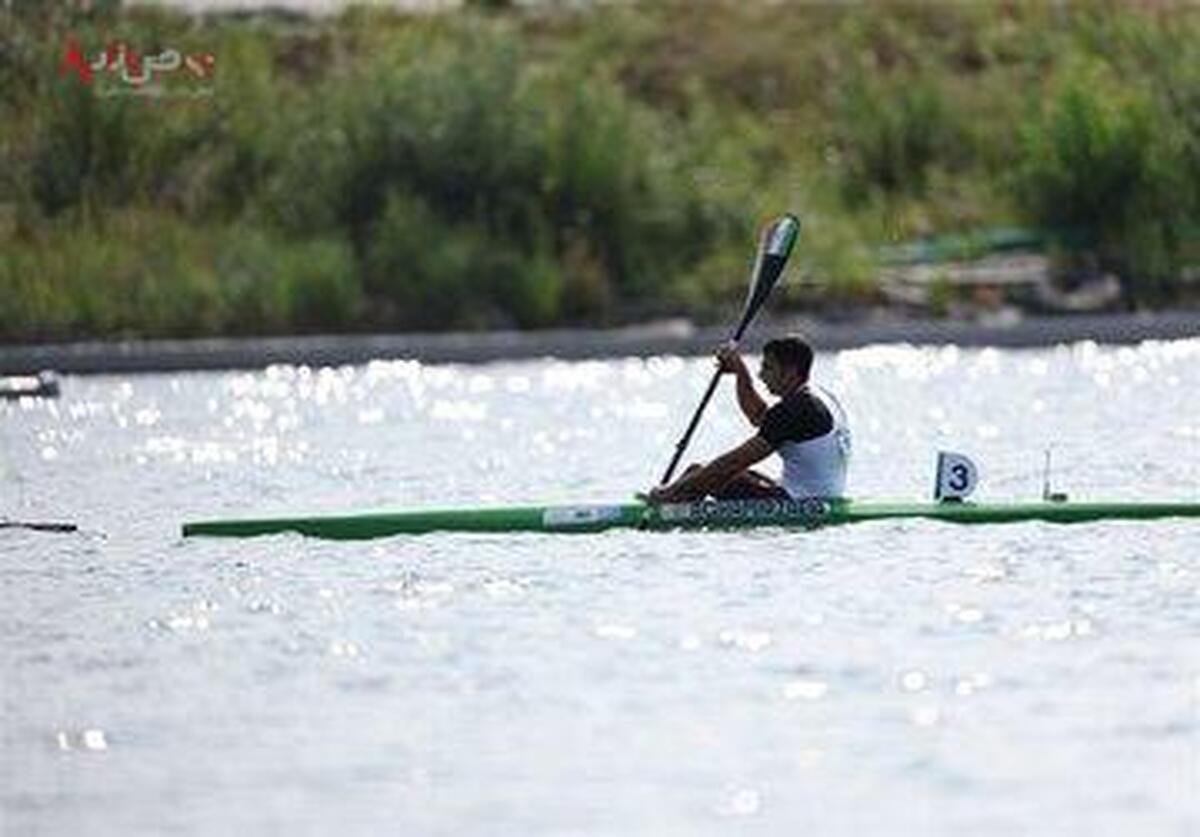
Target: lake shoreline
[669, 337]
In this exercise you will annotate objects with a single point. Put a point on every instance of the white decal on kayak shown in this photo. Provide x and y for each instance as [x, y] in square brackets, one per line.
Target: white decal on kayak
[566, 516]
[674, 512]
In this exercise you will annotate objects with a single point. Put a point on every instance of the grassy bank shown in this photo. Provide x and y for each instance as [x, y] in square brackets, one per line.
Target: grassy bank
[515, 168]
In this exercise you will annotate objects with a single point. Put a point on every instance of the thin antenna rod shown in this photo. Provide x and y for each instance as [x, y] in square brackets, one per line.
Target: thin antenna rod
[1046, 476]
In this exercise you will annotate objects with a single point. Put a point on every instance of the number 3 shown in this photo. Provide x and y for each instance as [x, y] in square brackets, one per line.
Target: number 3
[958, 477]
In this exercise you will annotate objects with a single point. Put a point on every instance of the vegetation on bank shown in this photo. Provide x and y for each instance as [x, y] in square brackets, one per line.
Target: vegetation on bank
[503, 167]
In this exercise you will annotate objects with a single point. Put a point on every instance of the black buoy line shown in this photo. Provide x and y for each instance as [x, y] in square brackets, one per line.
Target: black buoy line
[38, 526]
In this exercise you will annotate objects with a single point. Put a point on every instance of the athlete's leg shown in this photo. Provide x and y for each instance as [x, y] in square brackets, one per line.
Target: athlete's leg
[751, 485]
[748, 485]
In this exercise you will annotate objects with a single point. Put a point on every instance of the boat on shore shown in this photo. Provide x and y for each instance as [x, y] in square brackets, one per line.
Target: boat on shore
[706, 514]
[41, 385]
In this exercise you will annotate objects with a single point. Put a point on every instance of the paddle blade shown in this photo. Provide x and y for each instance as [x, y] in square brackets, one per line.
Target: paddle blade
[773, 251]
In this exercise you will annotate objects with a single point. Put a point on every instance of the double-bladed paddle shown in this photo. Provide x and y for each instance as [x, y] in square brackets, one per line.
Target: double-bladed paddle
[773, 250]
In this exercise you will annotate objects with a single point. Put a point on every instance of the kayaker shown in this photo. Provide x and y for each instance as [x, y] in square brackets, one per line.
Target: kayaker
[806, 427]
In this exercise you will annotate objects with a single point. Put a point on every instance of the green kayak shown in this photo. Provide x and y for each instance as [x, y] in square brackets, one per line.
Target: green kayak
[698, 515]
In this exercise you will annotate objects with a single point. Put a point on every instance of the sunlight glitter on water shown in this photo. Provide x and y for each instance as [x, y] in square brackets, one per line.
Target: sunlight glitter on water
[840, 681]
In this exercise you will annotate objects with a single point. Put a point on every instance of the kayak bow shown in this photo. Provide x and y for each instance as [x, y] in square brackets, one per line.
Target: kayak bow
[805, 514]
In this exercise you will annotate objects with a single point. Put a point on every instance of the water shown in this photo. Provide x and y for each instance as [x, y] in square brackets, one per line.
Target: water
[890, 678]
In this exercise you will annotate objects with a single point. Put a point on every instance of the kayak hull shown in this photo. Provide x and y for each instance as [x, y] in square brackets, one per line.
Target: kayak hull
[699, 515]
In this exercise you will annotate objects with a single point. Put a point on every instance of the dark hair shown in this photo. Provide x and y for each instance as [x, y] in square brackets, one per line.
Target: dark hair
[792, 351]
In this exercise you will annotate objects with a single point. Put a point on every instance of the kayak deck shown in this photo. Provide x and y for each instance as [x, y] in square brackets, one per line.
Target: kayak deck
[808, 514]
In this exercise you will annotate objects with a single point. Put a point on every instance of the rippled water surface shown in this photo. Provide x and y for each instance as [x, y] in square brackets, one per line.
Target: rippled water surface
[888, 678]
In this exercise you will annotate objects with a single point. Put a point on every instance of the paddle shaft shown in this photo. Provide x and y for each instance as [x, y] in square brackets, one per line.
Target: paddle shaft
[691, 428]
[773, 255]
[747, 316]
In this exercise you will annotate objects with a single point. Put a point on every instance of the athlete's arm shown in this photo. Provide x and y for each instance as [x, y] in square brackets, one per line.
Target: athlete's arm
[750, 402]
[715, 474]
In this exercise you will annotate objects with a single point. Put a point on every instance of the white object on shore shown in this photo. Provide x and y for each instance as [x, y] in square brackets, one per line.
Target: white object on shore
[41, 385]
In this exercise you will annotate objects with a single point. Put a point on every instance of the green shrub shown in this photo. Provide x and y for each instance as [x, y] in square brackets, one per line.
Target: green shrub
[86, 150]
[323, 288]
[147, 275]
[1085, 156]
[891, 133]
[423, 273]
[467, 171]
[1100, 167]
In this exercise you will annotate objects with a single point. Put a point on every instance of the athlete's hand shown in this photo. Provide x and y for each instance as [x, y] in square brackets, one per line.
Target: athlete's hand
[657, 494]
[729, 360]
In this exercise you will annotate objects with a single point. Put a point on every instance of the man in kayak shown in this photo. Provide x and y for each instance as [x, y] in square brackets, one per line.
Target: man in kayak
[806, 427]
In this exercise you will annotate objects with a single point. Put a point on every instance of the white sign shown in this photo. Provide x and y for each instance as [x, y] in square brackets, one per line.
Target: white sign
[956, 477]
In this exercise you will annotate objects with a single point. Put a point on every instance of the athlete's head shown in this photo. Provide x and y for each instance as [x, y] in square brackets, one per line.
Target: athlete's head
[786, 363]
